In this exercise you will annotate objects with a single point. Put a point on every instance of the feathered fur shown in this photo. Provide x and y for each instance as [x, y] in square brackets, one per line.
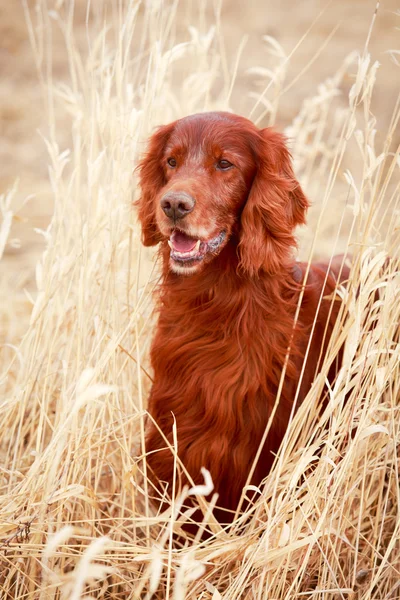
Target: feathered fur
[224, 328]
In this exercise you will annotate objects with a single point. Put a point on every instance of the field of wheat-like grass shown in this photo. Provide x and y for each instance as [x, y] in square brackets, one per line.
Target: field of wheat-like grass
[75, 516]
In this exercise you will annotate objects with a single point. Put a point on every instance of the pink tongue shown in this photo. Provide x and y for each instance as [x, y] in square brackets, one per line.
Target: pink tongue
[182, 242]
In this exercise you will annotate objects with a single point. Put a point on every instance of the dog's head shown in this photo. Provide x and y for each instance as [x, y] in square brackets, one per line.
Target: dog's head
[214, 177]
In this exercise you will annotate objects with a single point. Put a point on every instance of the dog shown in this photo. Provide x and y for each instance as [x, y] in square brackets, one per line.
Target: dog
[220, 198]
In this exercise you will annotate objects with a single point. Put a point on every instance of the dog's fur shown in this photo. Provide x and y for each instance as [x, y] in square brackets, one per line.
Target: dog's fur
[226, 317]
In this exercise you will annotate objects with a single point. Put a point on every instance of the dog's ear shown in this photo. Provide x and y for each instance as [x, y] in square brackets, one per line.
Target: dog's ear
[275, 205]
[152, 179]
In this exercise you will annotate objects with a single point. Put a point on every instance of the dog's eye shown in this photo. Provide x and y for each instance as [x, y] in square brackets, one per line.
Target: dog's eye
[224, 165]
[172, 162]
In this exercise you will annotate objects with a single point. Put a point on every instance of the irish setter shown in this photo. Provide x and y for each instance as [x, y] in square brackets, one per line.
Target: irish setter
[220, 197]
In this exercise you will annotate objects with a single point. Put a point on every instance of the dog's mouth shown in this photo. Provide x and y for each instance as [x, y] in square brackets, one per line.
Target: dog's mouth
[187, 249]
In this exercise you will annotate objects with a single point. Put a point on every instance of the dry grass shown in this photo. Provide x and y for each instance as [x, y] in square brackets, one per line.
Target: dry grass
[76, 519]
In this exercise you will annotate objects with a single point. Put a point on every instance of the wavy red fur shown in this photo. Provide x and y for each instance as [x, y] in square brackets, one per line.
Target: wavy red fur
[226, 319]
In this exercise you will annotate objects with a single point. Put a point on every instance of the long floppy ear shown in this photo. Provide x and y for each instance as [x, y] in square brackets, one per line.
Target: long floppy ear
[151, 177]
[275, 205]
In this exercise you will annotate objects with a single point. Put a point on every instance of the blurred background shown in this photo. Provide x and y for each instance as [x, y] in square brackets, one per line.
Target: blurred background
[76, 321]
[320, 34]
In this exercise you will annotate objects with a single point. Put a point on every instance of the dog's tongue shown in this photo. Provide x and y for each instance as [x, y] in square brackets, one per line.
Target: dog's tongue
[182, 242]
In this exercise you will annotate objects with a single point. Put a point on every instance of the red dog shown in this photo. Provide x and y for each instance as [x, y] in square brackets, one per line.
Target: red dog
[221, 198]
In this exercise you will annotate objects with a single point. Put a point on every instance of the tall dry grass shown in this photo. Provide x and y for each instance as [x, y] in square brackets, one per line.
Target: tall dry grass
[76, 518]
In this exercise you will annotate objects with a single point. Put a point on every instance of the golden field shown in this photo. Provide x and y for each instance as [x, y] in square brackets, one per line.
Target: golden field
[83, 85]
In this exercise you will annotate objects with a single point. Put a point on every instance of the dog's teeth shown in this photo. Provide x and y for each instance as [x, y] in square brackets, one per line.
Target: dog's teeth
[188, 254]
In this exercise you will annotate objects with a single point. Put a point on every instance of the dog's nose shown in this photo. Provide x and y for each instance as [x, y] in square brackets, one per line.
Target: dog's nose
[177, 205]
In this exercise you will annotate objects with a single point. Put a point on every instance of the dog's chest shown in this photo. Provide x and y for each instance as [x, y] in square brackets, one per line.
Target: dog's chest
[215, 360]
[216, 372]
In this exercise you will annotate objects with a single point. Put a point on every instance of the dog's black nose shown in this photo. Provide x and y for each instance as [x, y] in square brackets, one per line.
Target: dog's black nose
[177, 205]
